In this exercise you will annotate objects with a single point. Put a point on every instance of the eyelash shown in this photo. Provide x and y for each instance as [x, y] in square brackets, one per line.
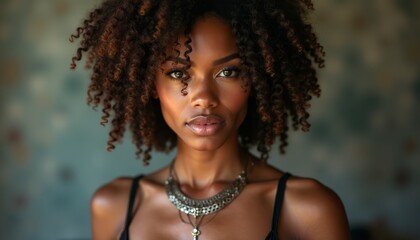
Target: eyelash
[234, 73]
[172, 71]
[232, 69]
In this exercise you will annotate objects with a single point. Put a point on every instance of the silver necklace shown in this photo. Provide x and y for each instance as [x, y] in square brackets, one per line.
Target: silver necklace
[197, 222]
[198, 208]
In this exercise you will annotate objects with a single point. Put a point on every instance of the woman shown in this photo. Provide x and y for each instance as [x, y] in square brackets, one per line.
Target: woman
[211, 79]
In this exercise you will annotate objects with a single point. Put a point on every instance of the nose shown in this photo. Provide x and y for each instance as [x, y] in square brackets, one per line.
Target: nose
[203, 93]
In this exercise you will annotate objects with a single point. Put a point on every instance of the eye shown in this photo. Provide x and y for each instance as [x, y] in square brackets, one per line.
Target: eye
[230, 72]
[177, 74]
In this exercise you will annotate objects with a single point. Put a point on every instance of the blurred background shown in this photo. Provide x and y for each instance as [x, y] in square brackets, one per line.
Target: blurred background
[364, 142]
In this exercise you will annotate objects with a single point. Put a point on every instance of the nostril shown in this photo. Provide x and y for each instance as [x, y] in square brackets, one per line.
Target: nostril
[203, 94]
[205, 103]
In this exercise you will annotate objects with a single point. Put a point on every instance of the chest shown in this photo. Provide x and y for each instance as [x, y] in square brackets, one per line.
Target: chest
[248, 217]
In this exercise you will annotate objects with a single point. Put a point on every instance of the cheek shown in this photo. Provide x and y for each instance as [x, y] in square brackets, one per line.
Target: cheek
[236, 100]
[168, 101]
[169, 109]
[164, 94]
[167, 91]
[235, 96]
[171, 100]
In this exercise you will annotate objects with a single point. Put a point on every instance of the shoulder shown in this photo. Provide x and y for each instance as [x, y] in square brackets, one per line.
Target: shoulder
[311, 196]
[310, 210]
[313, 210]
[109, 206]
[107, 197]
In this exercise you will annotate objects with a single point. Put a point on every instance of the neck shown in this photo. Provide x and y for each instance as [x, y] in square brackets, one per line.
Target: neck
[201, 169]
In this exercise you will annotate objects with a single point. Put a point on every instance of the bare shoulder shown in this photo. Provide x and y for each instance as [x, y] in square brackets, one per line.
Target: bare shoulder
[108, 208]
[107, 197]
[310, 210]
[109, 203]
[314, 211]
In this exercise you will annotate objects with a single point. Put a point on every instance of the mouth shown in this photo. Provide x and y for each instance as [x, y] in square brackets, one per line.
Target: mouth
[205, 125]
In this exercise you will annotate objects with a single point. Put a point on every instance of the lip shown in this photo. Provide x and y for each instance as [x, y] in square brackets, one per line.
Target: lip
[205, 125]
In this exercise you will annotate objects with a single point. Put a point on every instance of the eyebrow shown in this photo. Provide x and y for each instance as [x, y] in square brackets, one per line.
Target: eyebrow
[215, 62]
[226, 59]
[177, 60]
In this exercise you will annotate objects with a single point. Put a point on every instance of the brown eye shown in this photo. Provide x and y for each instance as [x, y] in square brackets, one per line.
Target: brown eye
[229, 73]
[177, 74]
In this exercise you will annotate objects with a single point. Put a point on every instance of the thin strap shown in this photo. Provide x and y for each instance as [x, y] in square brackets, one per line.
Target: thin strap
[281, 187]
[131, 200]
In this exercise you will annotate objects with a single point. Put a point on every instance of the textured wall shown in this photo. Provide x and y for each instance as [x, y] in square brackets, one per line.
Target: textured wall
[365, 140]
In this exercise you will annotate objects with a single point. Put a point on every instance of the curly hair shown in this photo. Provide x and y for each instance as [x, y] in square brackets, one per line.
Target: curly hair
[125, 42]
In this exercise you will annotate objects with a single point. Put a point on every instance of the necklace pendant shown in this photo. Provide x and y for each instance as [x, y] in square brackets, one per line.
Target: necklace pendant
[195, 232]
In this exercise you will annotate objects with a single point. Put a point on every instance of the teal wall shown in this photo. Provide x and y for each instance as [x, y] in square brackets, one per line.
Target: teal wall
[364, 143]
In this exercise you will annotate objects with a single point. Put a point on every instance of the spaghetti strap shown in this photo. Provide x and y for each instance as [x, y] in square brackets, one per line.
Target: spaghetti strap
[131, 200]
[273, 235]
[281, 187]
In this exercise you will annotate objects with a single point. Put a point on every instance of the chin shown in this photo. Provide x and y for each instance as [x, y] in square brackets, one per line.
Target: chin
[209, 146]
[205, 144]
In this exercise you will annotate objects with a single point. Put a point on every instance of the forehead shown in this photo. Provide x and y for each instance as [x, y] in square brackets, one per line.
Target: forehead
[210, 37]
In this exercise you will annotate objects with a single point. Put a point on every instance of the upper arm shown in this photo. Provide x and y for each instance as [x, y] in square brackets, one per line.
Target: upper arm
[319, 212]
[108, 205]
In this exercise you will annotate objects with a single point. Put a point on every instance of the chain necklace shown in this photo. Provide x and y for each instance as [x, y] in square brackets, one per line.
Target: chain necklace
[197, 222]
[198, 208]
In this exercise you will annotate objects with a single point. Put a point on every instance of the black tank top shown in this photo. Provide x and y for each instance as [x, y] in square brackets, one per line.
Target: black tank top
[272, 235]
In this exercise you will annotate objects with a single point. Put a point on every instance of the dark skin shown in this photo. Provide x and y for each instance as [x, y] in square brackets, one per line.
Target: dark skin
[208, 160]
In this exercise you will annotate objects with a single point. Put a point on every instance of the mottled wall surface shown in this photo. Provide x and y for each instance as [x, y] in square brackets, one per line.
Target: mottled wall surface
[364, 143]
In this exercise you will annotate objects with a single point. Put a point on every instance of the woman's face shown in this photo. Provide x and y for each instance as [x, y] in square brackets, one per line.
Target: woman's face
[216, 102]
